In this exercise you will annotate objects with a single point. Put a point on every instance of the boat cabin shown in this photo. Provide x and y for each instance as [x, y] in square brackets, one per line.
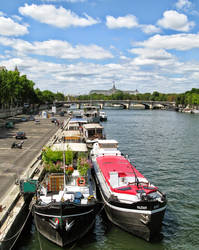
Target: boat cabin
[92, 131]
[105, 147]
[72, 136]
[75, 190]
[72, 126]
[92, 113]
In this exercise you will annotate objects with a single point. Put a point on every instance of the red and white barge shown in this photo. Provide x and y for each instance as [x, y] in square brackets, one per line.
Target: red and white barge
[131, 201]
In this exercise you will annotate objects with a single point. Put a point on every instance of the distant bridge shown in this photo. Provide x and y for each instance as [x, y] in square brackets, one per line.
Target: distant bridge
[126, 104]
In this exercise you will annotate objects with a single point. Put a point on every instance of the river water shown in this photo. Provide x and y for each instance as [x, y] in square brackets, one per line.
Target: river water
[164, 145]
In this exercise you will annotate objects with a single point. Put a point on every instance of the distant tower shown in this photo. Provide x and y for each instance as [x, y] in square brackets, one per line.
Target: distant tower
[16, 69]
[114, 88]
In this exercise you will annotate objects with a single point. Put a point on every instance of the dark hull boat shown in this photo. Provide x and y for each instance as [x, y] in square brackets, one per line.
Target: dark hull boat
[131, 202]
[145, 224]
[64, 222]
[66, 206]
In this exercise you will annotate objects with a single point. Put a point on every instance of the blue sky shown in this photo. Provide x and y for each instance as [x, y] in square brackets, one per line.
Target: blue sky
[74, 46]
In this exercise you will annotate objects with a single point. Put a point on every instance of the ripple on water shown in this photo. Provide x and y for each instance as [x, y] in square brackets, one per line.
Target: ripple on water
[164, 147]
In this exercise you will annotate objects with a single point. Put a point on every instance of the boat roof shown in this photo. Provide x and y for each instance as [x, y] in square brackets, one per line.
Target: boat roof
[117, 164]
[91, 106]
[120, 165]
[75, 147]
[107, 142]
[70, 133]
[73, 124]
[81, 120]
[92, 125]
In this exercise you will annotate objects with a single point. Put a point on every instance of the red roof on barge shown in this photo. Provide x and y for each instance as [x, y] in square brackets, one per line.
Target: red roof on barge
[125, 170]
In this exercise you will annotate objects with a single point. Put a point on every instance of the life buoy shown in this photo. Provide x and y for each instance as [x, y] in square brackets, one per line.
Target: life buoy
[81, 181]
[56, 220]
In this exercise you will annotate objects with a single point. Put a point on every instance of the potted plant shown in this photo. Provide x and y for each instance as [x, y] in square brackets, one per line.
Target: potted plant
[83, 164]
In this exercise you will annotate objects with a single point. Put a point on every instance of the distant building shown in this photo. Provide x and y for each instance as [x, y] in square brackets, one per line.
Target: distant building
[113, 90]
[2, 68]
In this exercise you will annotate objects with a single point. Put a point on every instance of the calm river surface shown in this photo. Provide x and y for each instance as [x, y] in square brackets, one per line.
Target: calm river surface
[164, 145]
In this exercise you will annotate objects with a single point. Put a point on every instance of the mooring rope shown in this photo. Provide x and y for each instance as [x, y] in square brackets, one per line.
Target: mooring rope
[38, 234]
[17, 233]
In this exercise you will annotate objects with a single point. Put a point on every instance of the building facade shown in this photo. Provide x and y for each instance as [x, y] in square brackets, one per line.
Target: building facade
[113, 90]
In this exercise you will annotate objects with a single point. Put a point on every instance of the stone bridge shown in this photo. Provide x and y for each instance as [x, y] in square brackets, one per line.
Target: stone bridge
[125, 104]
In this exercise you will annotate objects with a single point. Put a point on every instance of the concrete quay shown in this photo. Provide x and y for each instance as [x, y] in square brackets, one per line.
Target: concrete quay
[18, 164]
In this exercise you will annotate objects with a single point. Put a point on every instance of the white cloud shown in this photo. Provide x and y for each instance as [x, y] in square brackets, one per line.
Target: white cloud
[175, 21]
[18, 18]
[69, 1]
[146, 56]
[128, 21]
[181, 4]
[10, 28]
[149, 29]
[178, 42]
[157, 54]
[80, 78]
[59, 17]
[57, 48]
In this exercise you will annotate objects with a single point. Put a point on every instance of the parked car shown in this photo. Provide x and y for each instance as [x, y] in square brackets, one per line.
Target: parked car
[20, 135]
[23, 119]
[31, 118]
[9, 125]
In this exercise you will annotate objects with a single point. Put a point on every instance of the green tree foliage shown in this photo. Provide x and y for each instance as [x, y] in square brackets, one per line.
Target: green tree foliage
[15, 89]
[190, 97]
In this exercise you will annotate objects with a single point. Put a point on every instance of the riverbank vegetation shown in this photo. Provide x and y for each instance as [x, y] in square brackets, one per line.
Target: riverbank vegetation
[188, 98]
[15, 90]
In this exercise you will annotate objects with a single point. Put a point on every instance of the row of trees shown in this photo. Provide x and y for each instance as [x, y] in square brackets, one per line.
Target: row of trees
[15, 90]
[187, 98]
[119, 95]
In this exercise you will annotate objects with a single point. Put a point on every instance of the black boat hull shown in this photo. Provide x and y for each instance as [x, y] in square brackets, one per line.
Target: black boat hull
[145, 224]
[66, 224]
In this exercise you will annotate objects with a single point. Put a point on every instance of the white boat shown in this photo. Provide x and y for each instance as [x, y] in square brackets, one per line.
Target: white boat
[103, 116]
[92, 132]
[195, 111]
[91, 113]
[131, 201]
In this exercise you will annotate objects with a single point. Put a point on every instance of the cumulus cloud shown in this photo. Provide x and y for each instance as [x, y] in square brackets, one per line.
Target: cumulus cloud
[128, 21]
[178, 42]
[181, 4]
[69, 1]
[175, 21]
[59, 17]
[150, 29]
[18, 18]
[10, 28]
[157, 54]
[57, 48]
[146, 56]
[167, 76]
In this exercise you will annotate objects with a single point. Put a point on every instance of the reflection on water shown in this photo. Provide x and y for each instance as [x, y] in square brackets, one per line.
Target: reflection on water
[164, 147]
